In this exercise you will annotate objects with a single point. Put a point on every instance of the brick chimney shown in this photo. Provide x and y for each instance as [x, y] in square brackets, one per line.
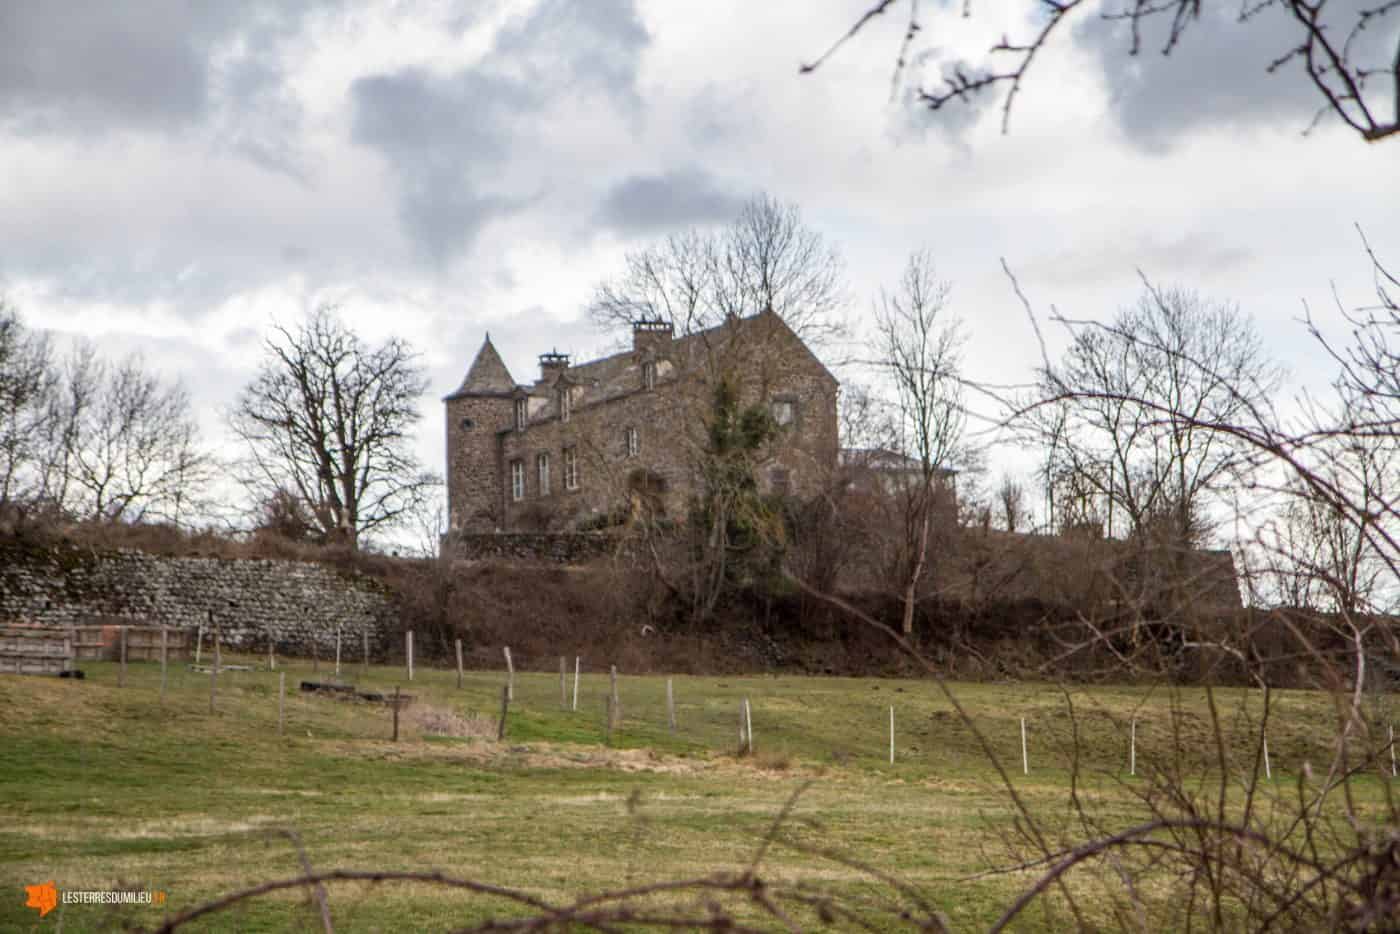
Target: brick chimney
[654, 334]
[552, 364]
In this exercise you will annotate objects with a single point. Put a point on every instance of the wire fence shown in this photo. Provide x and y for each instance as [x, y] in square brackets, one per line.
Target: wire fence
[1118, 731]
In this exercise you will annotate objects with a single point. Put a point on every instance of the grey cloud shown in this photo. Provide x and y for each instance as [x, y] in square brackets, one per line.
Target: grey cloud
[424, 120]
[578, 46]
[450, 140]
[94, 62]
[1217, 75]
[646, 203]
[444, 138]
[85, 66]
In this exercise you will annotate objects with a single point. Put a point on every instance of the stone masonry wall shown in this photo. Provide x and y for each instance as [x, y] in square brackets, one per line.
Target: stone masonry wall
[297, 604]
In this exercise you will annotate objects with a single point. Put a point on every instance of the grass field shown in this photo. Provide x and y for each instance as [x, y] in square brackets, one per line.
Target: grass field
[103, 786]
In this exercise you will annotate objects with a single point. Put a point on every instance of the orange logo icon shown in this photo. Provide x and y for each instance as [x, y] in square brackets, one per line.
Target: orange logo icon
[43, 897]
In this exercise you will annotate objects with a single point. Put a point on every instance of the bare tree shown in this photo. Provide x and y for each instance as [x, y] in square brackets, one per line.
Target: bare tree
[1315, 556]
[1011, 501]
[120, 444]
[1131, 437]
[766, 259]
[1349, 52]
[330, 420]
[918, 345]
[27, 382]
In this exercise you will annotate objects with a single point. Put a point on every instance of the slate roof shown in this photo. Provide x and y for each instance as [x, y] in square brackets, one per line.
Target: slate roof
[620, 374]
[487, 376]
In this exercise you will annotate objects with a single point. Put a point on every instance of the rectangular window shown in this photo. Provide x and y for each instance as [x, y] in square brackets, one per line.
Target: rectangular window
[565, 403]
[522, 413]
[517, 480]
[648, 375]
[542, 466]
[634, 442]
[784, 412]
[571, 468]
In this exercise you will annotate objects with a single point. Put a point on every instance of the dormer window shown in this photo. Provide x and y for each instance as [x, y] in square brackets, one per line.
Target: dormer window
[649, 375]
[522, 413]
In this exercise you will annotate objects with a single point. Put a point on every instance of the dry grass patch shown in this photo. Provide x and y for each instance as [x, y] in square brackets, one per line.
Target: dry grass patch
[436, 721]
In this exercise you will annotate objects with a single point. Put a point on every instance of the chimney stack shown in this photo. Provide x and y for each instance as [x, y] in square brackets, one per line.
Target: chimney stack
[552, 364]
[654, 333]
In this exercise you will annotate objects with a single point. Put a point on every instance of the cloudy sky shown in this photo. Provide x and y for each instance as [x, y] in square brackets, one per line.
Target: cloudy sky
[176, 176]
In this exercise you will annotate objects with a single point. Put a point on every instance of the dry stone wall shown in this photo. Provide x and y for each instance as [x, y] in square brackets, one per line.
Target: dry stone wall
[298, 605]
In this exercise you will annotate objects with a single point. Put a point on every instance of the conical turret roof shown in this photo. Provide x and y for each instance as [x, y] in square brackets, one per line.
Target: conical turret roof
[488, 375]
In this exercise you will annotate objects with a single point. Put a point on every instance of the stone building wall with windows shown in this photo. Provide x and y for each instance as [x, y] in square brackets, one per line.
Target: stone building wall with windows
[590, 441]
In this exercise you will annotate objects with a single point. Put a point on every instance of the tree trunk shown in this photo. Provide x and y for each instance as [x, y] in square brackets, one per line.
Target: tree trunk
[911, 588]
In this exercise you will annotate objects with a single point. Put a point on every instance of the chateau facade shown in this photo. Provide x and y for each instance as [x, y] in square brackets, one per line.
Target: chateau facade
[587, 443]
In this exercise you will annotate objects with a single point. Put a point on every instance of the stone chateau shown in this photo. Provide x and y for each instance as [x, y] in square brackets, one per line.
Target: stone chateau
[589, 441]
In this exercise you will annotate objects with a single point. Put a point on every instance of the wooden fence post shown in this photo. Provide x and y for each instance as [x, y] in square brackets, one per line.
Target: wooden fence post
[337, 651]
[510, 674]
[1025, 760]
[214, 673]
[364, 650]
[670, 706]
[563, 683]
[396, 713]
[1268, 771]
[742, 732]
[121, 672]
[459, 664]
[271, 651]
[505, 709]
[748, 723]
[1132, 749]
[164, 652]
[577, 659]
[199, 645]
[281, 699]
[409, 651]
[616, 703]
[891, 735]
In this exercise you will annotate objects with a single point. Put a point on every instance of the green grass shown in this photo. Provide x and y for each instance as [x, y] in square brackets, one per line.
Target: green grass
[104, 786]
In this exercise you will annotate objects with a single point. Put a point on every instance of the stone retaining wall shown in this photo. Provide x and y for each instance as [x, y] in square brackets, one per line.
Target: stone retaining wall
[296, 604]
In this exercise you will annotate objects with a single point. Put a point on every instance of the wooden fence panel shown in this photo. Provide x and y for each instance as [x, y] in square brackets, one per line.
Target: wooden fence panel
[25, 651]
